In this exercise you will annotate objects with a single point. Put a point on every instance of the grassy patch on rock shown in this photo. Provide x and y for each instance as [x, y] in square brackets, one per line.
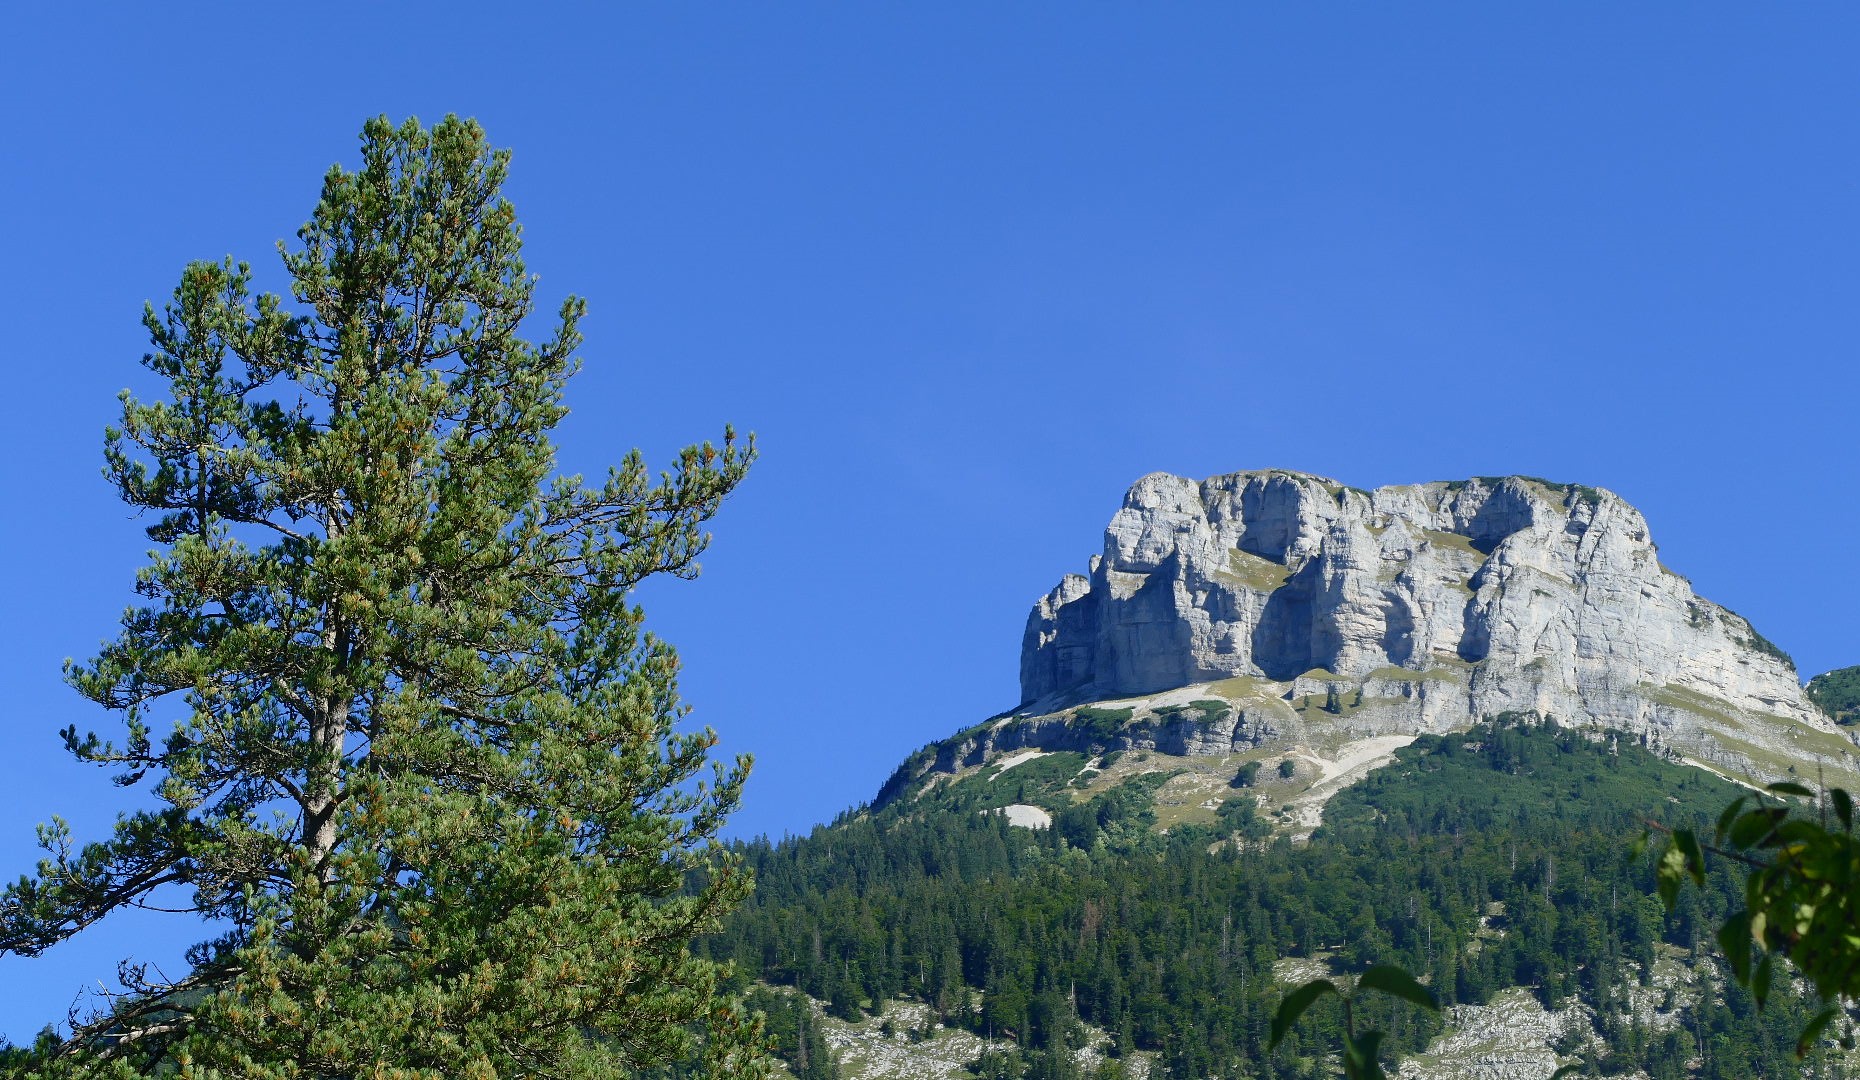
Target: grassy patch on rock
[1253, 571]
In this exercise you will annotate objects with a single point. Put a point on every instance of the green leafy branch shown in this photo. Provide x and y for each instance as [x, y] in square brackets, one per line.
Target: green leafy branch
[1800, 900]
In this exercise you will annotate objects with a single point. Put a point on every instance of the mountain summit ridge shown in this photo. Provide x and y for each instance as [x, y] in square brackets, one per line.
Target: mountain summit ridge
[1416, 608]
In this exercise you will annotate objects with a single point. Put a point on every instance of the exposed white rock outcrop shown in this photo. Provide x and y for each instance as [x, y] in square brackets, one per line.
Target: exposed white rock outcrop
[1429, 605]
[1509, 1038]
[1026, 816]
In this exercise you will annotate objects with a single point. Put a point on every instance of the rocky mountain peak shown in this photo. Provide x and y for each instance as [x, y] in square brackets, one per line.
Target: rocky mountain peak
[1433, 605]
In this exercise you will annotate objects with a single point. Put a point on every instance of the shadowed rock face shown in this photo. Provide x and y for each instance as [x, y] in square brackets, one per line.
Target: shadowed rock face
[1522, 594]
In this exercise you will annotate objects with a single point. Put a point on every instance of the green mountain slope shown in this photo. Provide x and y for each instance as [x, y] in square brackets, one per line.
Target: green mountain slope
[1838, 694]
[1485, 860]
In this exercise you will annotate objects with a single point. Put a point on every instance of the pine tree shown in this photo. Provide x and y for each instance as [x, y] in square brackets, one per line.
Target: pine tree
[415, 754]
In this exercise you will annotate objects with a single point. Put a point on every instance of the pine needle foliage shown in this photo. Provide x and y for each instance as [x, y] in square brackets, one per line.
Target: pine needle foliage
[415, 756]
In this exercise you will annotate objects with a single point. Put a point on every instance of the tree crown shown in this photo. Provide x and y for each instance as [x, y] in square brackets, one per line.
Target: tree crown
[413, 748]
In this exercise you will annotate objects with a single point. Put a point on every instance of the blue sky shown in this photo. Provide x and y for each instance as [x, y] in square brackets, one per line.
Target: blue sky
[968, 270]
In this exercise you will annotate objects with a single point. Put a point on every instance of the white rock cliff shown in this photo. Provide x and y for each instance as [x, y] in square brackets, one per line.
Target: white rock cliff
[1426, 607]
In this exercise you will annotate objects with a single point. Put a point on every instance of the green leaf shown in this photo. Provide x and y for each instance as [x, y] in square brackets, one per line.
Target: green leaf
[1729, 815]
[1294, 1006]
[1394, 981]
[1843, 807]
[1670, 872]
[1790, 787]
[1750, 829]
[1360, 1057]
[1798, 832]
[1811, 1032]
[1688, 846]
[1760, 981]
[1734, 939]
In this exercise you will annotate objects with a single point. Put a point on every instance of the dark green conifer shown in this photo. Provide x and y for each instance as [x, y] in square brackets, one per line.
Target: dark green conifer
[414, 751]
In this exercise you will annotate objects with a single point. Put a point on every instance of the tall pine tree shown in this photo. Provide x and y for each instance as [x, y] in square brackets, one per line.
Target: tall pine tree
[414, 753]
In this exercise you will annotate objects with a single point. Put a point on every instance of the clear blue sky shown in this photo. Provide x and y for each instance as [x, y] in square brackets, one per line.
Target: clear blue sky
[968, 270]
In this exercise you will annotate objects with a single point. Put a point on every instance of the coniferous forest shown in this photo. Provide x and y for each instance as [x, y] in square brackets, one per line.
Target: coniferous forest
[1501, 857]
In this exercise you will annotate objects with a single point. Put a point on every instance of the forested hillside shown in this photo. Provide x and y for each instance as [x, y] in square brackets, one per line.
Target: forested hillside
[1838, 694]
[1483, 860]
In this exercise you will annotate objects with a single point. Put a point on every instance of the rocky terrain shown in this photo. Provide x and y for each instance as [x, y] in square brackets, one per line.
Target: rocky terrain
[1406, 609]
[1248, 647]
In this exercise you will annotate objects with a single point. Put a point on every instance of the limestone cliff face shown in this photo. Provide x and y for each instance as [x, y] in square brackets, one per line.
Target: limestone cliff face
[1485, 596]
